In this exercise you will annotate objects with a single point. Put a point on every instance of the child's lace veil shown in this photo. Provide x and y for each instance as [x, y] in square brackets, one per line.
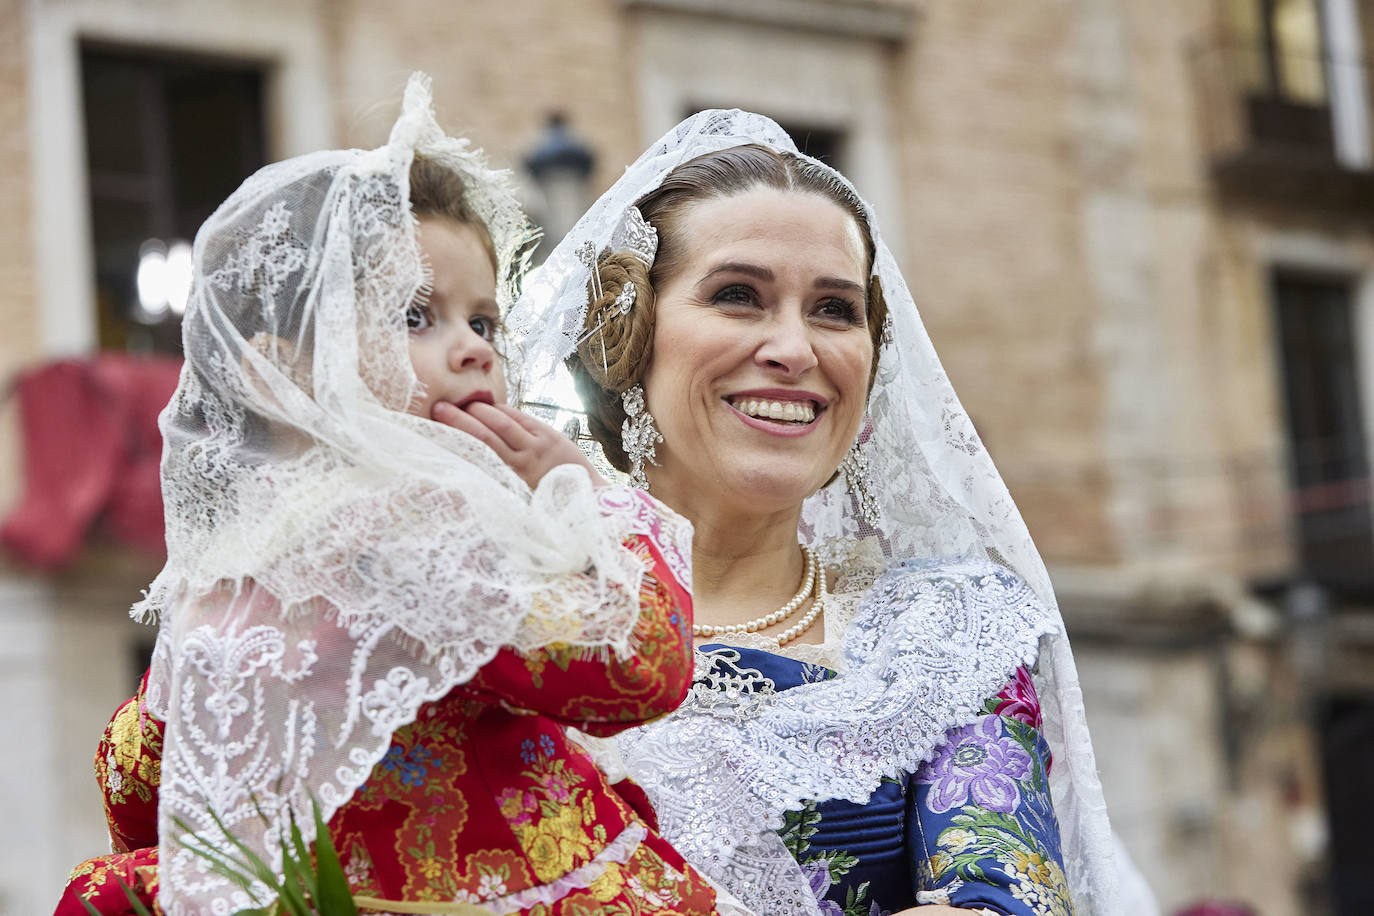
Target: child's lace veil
[334, 562]
[939, 496]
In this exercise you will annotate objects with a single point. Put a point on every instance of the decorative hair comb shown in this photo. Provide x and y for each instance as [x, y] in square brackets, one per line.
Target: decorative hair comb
[635, 235]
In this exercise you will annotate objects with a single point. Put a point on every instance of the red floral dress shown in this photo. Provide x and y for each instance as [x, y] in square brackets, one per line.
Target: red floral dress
[482, 799]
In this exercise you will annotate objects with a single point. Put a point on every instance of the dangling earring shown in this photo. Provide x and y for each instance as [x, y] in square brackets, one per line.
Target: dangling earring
[860, 483]
[638, 435]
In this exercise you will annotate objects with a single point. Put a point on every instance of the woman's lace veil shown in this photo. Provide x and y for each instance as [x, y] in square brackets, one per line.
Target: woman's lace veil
[939, 496]
[334, 562]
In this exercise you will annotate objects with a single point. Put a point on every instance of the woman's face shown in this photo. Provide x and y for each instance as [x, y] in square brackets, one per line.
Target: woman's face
[760, 363]
[453, 329]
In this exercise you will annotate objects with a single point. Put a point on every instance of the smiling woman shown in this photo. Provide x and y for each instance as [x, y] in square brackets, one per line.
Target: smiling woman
[761, 358]
[864, 734]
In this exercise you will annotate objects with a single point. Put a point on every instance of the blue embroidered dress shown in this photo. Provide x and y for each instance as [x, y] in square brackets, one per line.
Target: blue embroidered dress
[973, 828]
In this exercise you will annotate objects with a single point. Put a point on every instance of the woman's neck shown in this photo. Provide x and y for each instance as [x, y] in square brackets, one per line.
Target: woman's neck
[743, 566]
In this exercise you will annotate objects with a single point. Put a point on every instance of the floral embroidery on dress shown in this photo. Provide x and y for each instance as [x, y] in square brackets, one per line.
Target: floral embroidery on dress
[127, 770]
[481, 797]
[553, 819]
[825, 869]
[979, 764]
[993, 774]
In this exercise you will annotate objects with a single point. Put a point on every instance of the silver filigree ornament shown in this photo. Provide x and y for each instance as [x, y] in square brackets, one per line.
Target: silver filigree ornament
[725, 688]
[635, 235]
[638, 435]
[586, 253]
[625, 300]
[860, 482]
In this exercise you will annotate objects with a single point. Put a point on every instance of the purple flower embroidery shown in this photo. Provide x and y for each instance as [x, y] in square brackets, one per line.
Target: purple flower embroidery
[977, 761]
[818, 876]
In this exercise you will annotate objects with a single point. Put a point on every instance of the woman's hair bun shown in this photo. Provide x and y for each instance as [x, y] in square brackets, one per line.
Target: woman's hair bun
[612, 357]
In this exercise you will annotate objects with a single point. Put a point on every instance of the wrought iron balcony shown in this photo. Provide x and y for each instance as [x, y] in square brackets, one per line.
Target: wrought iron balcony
[1286, 130]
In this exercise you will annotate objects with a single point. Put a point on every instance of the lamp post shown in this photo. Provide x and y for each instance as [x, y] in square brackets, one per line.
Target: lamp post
[561, 166]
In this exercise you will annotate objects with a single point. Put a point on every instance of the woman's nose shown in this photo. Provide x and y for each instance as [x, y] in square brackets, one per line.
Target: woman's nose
[788, 345]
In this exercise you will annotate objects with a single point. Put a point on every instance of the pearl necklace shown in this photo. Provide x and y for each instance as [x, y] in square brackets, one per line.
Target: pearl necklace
[813, 576]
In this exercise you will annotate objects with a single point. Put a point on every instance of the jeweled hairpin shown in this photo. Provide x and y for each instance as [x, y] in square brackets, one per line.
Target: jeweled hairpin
[625, 300]
[586, 253]
[635, 235]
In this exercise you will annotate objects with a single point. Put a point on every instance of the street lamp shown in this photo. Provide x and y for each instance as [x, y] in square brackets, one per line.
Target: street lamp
[561, 166]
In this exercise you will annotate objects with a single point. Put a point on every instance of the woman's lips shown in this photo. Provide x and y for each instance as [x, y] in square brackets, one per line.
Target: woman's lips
[775, 427]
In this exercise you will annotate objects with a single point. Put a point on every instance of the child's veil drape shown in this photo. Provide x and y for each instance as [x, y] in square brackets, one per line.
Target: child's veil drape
[334, 562]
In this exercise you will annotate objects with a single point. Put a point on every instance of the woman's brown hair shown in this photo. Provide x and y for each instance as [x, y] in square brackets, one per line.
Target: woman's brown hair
[615, 357]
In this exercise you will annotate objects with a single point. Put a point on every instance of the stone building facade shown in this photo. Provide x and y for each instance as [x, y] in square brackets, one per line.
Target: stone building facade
[1066, 183]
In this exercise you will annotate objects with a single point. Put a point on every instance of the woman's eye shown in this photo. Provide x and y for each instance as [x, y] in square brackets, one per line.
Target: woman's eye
[839, 310]
[484, 326]
[735, 294]
[418, 317]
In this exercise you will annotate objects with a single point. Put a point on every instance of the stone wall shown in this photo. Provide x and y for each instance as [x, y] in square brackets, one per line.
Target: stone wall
[1041, 170]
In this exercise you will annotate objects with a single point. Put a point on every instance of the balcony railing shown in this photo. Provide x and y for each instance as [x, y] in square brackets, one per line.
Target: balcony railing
[1287, 129]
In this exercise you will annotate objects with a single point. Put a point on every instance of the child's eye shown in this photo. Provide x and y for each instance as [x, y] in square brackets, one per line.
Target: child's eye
[484, 326]
[419, 317]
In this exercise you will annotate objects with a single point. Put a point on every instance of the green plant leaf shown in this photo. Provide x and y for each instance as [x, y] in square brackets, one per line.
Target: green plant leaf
[134, 902]
[336, 898]
[300, 855]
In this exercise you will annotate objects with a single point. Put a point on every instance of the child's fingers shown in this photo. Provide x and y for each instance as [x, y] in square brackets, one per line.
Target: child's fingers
[460, 420]
[532, 425]
[512, 433]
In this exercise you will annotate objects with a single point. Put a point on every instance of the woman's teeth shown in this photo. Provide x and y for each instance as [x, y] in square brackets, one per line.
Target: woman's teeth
[787, 411]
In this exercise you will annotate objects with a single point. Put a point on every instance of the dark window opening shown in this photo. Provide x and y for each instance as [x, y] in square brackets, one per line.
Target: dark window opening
[167, 139]
[1347, 744]
[1328, 453]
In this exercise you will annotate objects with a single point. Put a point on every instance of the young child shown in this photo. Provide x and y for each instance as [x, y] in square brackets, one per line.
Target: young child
[386, 589]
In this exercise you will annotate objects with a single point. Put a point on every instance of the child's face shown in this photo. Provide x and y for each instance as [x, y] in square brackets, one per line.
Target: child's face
[451, 333]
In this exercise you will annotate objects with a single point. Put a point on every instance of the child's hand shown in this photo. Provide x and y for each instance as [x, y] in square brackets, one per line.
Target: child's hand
[530, 447]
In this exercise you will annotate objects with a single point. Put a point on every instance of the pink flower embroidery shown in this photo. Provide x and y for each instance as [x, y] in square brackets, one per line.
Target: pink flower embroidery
[518, 807]
[1018, 700]
[558, 789]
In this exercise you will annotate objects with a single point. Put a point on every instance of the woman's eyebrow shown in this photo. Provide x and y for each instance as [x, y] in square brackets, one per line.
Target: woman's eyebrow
[767, 275]
[740, 267]
[838, 284]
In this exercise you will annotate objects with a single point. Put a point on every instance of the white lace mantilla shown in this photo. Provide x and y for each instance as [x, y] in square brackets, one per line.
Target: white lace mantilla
[935, 488]
[334, 561]
[928, 645]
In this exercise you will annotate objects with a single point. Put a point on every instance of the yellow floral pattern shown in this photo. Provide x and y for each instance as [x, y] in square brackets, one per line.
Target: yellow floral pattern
[482, 796]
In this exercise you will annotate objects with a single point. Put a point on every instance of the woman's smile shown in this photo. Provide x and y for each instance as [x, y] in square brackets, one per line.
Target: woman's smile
[778, 412]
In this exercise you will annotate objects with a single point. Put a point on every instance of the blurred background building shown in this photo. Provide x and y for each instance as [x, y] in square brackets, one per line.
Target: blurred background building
[1141, 233]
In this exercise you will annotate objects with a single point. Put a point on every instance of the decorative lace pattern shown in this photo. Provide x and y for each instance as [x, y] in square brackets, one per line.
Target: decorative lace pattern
[924, 652]
[334, 562]
[937, 490]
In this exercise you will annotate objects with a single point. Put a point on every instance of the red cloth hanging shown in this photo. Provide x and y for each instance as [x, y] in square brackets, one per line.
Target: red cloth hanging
[91, 450]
